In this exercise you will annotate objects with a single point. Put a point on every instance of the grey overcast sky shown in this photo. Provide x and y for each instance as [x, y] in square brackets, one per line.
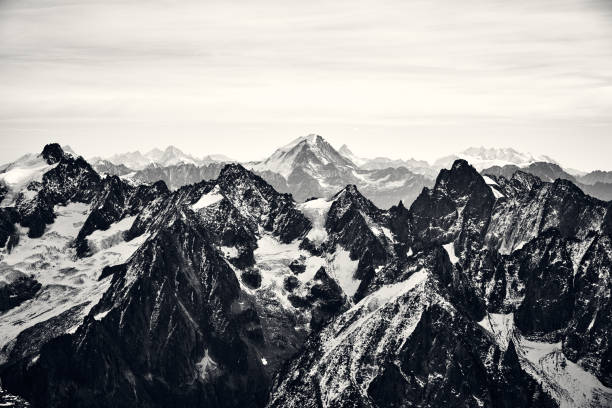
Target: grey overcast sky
[400, 78]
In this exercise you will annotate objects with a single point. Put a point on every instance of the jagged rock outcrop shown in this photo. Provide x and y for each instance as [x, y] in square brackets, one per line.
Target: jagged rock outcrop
[17, 292]
[596, 184]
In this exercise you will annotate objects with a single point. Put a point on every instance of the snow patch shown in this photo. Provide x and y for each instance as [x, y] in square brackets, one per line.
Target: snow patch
[342, 269]
[229, 252]
[101, 315]
[207, 200]
[207, 366]
[501, 326]
[490, 181]
[99, 240]
[67, 281]
[450, 250]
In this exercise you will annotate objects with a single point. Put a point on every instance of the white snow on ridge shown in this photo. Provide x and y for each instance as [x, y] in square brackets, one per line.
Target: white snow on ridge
[17, 175]
[489, 181]
[501, 326]
[568, 383]
[493, 186]
[496, 193]
[378, 323]
[101, 315]
[207, 200]
[369, 305]
[316, 211]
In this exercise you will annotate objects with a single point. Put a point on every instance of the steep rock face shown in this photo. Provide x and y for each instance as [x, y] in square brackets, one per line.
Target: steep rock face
[587, 340]
[597, 186]
[545, 266]
[115, 201]
[17, 292]
[242, 197]
[530, 207]
[367, 356]
[8, 233]
[458, 208]
[252, 194]
[355, 224]
[164, 333]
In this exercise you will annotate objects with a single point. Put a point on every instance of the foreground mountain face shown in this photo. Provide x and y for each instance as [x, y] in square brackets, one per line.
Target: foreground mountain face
[488, 291]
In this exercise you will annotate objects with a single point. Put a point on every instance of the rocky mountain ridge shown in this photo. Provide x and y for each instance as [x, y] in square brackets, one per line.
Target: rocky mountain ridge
[484, 291]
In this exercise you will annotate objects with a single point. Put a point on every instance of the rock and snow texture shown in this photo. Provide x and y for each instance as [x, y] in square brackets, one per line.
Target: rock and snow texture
[16, 176]
[207, 200]
[485, 289]
[568, 383]
[67, 281]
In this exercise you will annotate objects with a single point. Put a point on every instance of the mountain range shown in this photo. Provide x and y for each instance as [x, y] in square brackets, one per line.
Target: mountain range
[309, 166]
[170, 156]
[487, 291]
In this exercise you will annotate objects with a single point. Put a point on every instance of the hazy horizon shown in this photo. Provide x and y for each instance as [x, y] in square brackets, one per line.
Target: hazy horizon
[399, 79]
[337, 145]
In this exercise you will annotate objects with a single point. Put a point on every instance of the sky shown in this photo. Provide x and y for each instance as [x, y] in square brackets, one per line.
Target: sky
[393, 78]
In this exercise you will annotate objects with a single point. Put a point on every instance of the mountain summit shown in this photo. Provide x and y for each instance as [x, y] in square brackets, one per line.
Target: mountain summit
[309, 166]
[311, 153]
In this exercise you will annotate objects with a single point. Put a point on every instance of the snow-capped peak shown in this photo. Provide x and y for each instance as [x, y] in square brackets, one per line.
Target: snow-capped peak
[170, 156]
[311, 139]
[483, 157]
[307, 152]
